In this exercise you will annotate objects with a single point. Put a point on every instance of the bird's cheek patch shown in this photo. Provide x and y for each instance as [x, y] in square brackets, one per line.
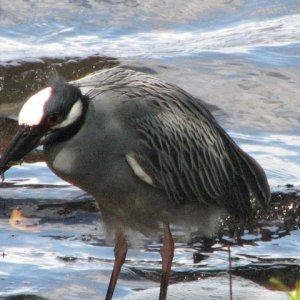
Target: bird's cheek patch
[74, 114]
[32, 111]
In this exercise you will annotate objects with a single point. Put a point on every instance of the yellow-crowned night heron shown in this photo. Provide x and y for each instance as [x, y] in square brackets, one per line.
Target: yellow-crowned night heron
[150, 153]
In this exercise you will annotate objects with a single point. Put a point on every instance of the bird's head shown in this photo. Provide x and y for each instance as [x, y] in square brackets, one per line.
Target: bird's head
[53, 114]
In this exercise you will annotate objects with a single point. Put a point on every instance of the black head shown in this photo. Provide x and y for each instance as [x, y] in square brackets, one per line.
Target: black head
[53, 114]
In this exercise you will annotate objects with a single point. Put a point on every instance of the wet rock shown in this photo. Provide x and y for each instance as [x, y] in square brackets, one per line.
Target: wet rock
[23, 297]
[8, 128]
[285, 273]
[21, 79]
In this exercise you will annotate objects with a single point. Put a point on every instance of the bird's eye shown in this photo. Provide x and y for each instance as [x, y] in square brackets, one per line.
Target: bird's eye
[53, 119]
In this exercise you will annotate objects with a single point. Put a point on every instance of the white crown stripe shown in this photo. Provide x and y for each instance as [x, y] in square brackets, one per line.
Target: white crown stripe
[32, 111]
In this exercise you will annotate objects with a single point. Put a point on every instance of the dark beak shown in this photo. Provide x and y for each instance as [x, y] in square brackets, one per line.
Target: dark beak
[25, 140]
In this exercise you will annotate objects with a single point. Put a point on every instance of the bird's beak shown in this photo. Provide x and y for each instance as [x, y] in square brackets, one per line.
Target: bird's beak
[25, 140]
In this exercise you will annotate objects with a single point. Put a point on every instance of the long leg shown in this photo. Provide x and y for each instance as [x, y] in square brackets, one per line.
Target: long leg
[120, 251]
[167, 253]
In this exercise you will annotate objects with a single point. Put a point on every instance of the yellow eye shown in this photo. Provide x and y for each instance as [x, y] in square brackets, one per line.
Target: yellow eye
[53, 119]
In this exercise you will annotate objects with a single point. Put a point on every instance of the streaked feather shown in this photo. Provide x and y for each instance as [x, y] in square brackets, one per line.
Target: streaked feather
[183, 148]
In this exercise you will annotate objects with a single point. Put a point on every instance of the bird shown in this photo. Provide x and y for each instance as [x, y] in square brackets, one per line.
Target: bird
[152, 155]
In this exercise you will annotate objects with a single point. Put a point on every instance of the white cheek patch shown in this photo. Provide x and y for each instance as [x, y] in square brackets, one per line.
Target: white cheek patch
[32, 111]
[74, 114]
[137, 169]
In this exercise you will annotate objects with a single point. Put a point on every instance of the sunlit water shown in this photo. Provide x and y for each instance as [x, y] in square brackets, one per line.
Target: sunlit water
[241, 56]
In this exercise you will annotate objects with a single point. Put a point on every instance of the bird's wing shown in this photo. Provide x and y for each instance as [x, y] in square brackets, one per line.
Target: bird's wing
[192, 159]
[182, 149]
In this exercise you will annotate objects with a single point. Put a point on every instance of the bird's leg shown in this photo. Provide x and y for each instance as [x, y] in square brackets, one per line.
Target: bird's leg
[167, 253]
[120, 251]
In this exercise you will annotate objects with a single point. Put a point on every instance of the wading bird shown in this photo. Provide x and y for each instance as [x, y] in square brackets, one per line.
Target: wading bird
[150, 153]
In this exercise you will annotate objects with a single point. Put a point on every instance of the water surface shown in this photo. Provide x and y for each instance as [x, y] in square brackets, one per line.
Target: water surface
[241, 57]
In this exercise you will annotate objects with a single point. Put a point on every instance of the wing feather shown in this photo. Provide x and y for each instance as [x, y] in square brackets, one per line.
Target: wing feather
[194, 162]
[182, 147]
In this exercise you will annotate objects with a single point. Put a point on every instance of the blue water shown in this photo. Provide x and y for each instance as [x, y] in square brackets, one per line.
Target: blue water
[151, 29]
[241, 56]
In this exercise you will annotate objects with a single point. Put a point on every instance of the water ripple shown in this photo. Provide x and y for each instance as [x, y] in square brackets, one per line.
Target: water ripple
[54, 39]
[277, 153]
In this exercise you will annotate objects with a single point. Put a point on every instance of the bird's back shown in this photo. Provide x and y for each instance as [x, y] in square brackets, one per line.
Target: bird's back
[181, 147]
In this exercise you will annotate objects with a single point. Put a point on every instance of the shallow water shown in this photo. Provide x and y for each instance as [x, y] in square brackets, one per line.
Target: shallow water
[240, 57]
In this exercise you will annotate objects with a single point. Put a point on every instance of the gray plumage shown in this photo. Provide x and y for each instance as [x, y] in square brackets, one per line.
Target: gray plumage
[150, 153]
[180, 144]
